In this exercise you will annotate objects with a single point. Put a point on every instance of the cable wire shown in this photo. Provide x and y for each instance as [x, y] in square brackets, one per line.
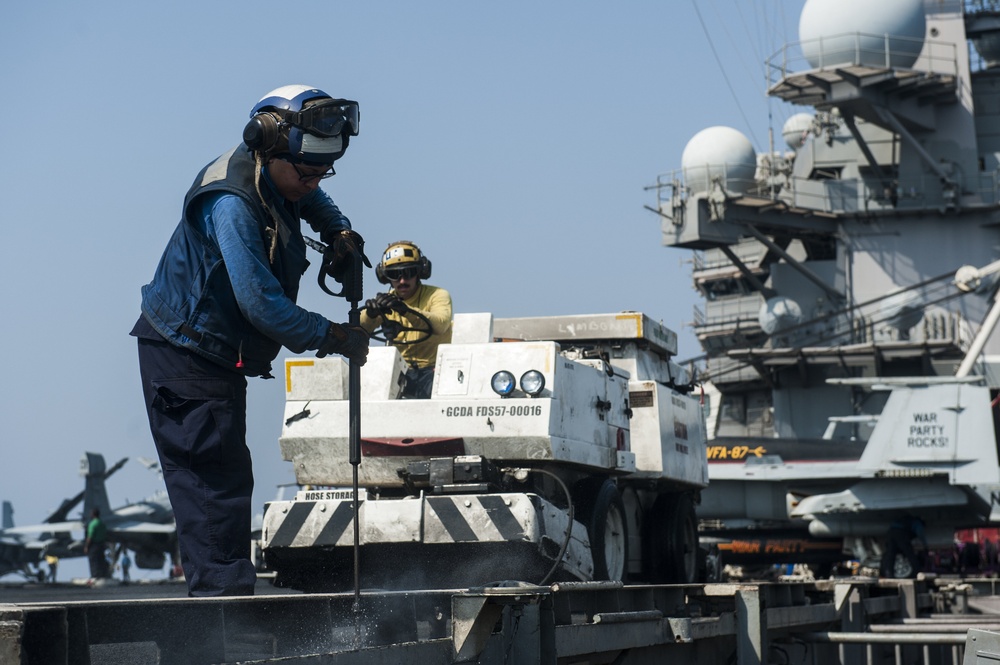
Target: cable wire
[718, 60]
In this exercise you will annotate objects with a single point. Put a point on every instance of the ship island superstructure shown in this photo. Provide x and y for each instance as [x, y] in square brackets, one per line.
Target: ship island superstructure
[860, 254]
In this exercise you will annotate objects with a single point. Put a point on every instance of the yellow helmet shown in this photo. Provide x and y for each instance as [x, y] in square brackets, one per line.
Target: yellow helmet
[402, 254]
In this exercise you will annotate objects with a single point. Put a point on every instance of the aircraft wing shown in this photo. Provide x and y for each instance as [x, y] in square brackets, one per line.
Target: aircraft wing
[8, 545]
[136, 528]
[51, 527]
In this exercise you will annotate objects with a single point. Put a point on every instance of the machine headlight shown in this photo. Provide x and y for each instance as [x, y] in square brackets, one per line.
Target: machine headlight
[533, 382]
[502, 383]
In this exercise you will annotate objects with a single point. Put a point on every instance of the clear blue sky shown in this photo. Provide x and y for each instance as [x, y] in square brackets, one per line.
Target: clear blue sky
[511, 140]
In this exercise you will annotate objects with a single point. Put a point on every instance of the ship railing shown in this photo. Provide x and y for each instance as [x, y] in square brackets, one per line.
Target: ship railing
[934, 328]
[937, 326]
[867, 324]
[989, 186]
[876, 328]
[833, 194]
[675, 186]
[698, 260]
[735, 321]
[841, 195]
[862, 49]
[721, 369]
[742, 311]
[972, 6]
[924, 192]
[748, 250]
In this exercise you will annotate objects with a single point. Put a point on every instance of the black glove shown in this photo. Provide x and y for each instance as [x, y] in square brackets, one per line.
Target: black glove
[384, 303]
[390, 302]
[342, 246]
[349, 341]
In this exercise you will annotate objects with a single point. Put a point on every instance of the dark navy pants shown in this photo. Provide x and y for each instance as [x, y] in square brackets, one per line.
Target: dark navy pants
[97, 557]
[197, 414]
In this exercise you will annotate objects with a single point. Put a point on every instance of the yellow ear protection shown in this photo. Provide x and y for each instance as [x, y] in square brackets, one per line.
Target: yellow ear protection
[402, 254]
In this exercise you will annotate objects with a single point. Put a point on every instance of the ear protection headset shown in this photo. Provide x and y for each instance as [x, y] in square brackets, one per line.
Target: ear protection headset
[402, 254]
[262, 132]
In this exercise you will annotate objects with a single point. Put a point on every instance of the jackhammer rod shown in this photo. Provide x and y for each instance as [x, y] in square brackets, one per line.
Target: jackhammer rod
[354, 295]
[353, 292]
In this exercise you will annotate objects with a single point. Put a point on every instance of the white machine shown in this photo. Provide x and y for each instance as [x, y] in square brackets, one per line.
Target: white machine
[552, 448]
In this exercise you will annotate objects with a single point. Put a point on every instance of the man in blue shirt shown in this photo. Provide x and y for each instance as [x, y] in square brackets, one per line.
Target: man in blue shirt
[126, 567]
[221, 305]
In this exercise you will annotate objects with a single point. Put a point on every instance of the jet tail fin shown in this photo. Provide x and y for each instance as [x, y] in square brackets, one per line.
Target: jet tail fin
[95, 495]
[8, 515]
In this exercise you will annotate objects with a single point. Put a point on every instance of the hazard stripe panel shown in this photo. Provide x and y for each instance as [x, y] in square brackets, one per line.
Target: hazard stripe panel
[452, 520]
[291, 525]
[438, 519]
[503, 519]
[334, 530]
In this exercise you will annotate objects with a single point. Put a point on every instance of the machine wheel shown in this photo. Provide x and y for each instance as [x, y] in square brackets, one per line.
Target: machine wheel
[604, 514]
[672, 540]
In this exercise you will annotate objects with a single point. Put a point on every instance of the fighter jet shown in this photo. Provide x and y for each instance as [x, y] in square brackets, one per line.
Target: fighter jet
[146, 527]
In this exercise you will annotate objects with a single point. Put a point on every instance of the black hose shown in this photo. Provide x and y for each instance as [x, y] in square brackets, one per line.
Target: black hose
[569, 528]
[389, 332]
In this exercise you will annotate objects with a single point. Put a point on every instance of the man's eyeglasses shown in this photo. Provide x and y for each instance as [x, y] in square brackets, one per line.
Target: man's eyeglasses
[306, 177]
[395, 274]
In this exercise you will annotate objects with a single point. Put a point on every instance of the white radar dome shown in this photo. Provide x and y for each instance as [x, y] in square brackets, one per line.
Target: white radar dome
[779, 313]
[854, 31]
[719, 152]
[795, 131]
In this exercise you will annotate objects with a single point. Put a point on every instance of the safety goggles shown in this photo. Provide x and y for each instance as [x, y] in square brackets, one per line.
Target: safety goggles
[327, 118]
[394, 274]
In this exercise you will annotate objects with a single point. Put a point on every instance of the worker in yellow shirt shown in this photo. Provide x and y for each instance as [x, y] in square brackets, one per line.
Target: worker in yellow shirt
[415, 317]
